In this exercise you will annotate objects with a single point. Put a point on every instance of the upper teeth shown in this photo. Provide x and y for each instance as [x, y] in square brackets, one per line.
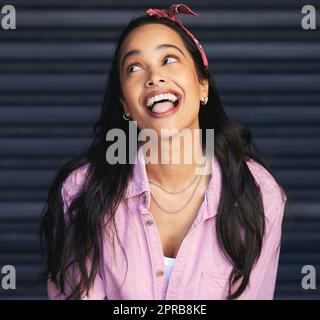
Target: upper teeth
[159, 97]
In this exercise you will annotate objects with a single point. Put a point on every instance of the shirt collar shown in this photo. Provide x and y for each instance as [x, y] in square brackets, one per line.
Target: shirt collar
[139, 184]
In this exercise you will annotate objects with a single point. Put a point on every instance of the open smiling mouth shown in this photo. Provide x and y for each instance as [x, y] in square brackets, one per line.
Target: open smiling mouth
[163, 104]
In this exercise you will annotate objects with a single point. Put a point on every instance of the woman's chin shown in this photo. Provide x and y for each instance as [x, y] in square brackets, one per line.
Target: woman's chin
[168, 131]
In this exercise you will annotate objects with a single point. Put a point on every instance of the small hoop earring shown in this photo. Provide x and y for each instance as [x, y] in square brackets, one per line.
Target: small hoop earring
[126, 117]
[204, 102]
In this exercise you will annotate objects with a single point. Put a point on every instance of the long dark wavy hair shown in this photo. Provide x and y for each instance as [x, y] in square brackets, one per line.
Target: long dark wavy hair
[240, 229]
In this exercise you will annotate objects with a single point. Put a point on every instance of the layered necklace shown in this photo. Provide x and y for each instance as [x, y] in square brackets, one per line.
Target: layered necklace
[196, 179]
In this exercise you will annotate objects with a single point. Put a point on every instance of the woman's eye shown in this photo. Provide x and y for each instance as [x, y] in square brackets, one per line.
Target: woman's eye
[134, 65]
[130, 68]
[168, 57]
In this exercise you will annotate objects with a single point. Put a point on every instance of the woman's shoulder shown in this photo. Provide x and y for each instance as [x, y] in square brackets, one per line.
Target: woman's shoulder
[262, 176]
[272, 193]
[73, 183]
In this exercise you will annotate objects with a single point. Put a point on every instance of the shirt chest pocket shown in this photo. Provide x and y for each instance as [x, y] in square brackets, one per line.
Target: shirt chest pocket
[213, 286]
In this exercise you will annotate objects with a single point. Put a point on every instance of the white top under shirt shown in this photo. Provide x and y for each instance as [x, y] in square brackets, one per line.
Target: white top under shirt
[169, 262]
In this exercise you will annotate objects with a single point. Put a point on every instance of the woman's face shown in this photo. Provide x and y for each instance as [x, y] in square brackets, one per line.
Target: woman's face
[153, 61]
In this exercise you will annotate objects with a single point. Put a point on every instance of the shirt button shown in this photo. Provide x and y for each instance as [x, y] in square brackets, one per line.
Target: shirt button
[159, 273]
[149, 222]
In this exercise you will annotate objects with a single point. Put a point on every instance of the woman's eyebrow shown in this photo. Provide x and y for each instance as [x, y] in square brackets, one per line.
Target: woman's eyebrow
[136, 52]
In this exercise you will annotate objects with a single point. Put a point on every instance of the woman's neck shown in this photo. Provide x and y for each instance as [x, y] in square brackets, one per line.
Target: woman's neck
[176, 165]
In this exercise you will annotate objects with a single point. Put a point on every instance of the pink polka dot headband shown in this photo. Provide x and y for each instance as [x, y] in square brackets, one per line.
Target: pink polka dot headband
[170, 14]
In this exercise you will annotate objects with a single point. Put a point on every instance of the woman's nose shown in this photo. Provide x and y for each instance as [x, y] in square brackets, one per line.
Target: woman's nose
[154, 82]
[154, 78]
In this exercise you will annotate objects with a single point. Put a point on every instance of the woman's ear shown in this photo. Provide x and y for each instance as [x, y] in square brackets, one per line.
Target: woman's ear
[125, 108]
[204, 89]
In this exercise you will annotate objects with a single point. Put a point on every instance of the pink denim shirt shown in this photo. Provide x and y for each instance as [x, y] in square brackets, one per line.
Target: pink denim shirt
[200, 271]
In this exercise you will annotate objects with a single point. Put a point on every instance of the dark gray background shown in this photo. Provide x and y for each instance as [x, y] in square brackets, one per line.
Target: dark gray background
[53, 71]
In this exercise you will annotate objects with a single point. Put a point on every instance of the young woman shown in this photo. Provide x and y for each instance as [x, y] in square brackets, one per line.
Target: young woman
[154, 230]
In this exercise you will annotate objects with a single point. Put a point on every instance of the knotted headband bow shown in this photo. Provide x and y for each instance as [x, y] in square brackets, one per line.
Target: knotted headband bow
[170, 14]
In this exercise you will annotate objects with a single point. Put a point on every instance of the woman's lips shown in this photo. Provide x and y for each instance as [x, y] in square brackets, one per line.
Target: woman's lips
[166, 113]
